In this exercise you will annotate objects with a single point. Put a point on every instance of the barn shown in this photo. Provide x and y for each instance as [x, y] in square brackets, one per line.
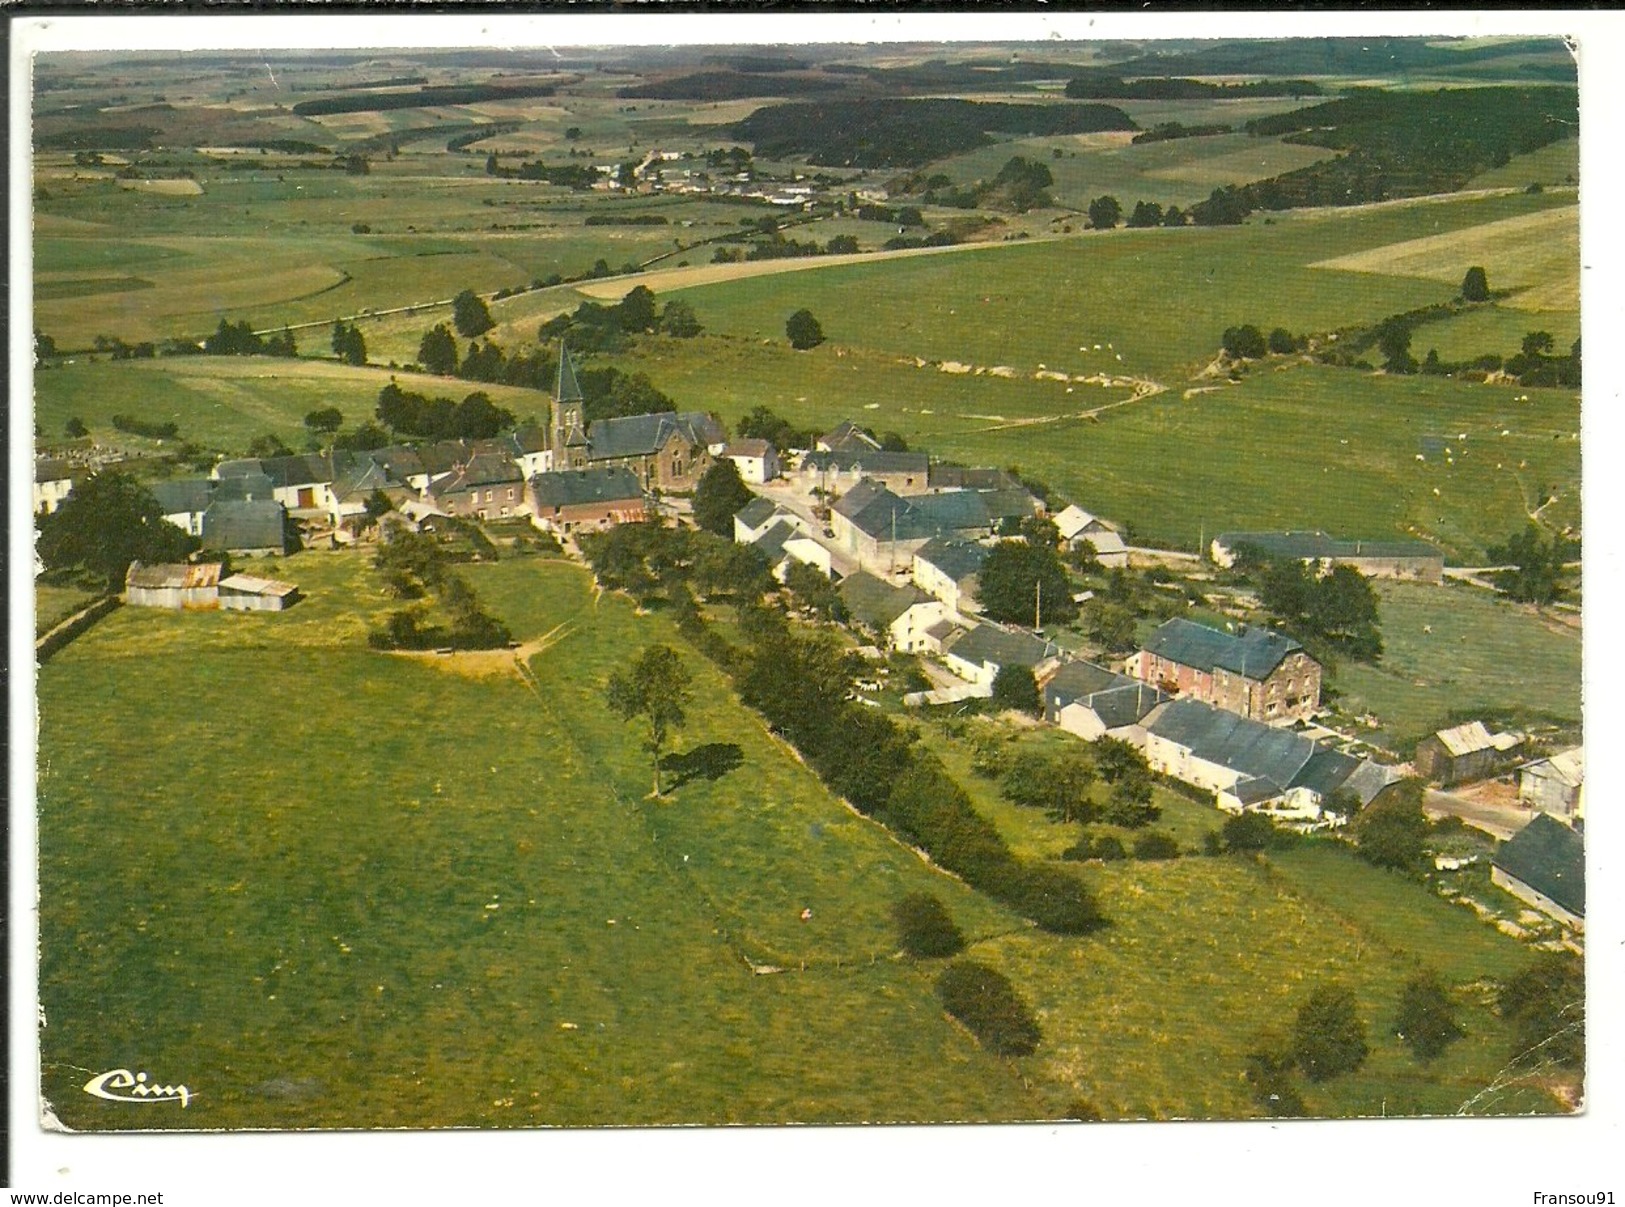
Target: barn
[173, 585]
[248, 593]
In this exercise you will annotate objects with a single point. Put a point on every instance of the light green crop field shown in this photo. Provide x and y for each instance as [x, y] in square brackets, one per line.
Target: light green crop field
[1448, 649]
[389, 893]
[223, 402]
[1554, 164]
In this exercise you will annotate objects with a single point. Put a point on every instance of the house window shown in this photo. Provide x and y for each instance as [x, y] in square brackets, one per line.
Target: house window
[510, 495]
[504, 511]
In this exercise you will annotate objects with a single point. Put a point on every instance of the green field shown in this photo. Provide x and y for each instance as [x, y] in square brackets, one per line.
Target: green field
[223, 402]
[1481, 652]
[439, 899]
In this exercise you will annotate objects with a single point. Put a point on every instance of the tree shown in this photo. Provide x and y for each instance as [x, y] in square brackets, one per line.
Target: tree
[811, 589]
[1394, 342]
[268, 445]
[1245, 342]
[1247, 832]
[1282, 341]
[437, 351]
[109, 521]
[678, 320]
[656, 687]
[1427, 1017]
[1328, 1038]
[636, 311]
[325, 420]
[925, 928]
[75, 428]
[1146, 213]
[377, 504]
[803, 330]
[1021, 581]
[1105, 212]
[348, 343]
[719, 496]
[470, 315]
[44, 347]
[1392, 832]
[1537, 564]
[1058, 784]
[1546, 1005]
[1129, 803]
[1015, 687]
[1475, 286]
[987, 1003]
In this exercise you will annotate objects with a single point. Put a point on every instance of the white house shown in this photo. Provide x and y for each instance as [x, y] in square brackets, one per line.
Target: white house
[1077, 526]
[53, 482]
[950, 570]
[978, 654]
[757, 460]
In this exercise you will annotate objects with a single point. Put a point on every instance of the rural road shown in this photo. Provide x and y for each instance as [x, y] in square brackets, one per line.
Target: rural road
[1500, 821]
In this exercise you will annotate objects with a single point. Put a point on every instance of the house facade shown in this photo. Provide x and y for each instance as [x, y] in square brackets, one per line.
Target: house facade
[882, 530]
[1556, 786]
[570, 501]
[835, 473]
[488, 487]
[949, 569]
[53, 482]
[1253, 672]
[756, 459]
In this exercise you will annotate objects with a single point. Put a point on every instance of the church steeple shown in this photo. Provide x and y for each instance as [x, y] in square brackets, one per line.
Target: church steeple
[569, 433]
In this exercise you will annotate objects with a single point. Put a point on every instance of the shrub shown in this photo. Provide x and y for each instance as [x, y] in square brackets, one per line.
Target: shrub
[1270, 1076]
[1247, 832]
[1427, 1017]
[1156, 845]
[1328, 1038]
[987, 1003]
[1105, 847]
[1053, 898]
[925, 928]
[1546, 1005]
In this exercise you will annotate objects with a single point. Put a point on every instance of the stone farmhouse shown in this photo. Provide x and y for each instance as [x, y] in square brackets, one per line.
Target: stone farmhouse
[488, 486]
[835, 473]
[949, 569]
[901, 614]
[567, 501]
[882, 530]
[1254, 672]
[1377, 559]
[1093, 702]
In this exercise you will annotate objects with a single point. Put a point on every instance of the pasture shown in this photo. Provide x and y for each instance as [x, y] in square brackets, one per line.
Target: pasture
[1450, 649]
[224, 402]
[409, 897]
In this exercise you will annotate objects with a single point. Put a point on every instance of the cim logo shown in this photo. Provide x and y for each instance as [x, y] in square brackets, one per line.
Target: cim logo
[121, 1085]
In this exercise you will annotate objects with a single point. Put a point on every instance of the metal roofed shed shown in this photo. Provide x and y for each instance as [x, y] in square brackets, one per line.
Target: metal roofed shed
[178, 585]
[249, 593]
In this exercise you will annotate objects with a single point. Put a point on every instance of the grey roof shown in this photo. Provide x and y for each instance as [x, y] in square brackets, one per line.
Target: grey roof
[363, 478]
[868, 461]
[1014, 502]
[1116, 699]
[402, 461]
[941, 629]
[748, 446]
[237, 467]
[443, 456]
[955, 558]
[566, 389]
[1550, 858]
[1126, 704]
[876, 602]
[1229, 740]
[988, 644]
[485, 470]
[182, 495]
[1370, 780]
[1317, 544]
[244, 524]
[1079, 678]
[848, 437]
[757, 512]
[954, 511]
[771, 543]
[1326, 771]
[255, 486]
[644, 435]
[46, 470]
[1252, 789]
[878, 513]
[530, 438]
[1254, 652]
[305, 470]
[961, 477]
[573, 487]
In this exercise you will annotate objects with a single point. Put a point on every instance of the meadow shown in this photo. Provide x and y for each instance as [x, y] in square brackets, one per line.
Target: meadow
[1450, 650]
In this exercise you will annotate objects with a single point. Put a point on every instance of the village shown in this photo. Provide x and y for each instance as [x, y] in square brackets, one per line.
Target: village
[1232, 712]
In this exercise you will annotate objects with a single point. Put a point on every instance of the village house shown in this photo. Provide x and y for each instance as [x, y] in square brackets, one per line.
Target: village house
[757, 516]
[756, 459]
[950, 570]
[53, 482]
[1254, 672]
[1078, 528]
[902, 614]
[1464, 753]
[182, 501]
[1377, 559]
[1556, 786]
[249, 593]
[785, 544]
[978, 654]
[835, 473]
[303, 483]
[1543, 865]
[348, 497]
[1252, 766]
[487, 487]
[1093, 702]
[567, 501]
[253, 526]
[846, 437]
[175, 585]
[882, 530]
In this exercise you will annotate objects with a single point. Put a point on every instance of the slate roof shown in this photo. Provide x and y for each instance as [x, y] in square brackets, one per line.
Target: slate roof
[869, 461]
[530, 438]
[244, 524]
[566, 388]
[757, 512]
[1317, 545]
[1233, 741]
[182, 495]
[401, 461]
[1255, 653]
[749, 446]
[875, 511]
[305, 470]
[771, 543]
[987, 644]
[955, 558]
[256, 486]
[362, 479]
[1326, 771]
[644, 435]
[1370, 780]
[46, 470]
[237, 467]
[1009, 503]
[962, 477]
[173, 575]
[1252, 789]
[1116, 699]
[1550, 858]
[875, 602]
[847, 437]
[1079, 678]
[1126, 704]
[443, 456]
[574, 487]
[485, 470]
[1072, 520]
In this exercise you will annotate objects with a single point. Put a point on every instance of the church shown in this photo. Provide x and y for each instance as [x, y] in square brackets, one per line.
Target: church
[668, 451]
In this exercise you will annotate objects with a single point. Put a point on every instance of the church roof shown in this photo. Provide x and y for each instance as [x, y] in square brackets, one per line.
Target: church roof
[567, 388]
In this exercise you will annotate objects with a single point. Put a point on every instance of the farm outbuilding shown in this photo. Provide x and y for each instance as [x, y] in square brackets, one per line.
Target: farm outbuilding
[1556, 786]
[1464, 752]
[1378, 559]
[1543, 864]
[248, 593]
[173, 585]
